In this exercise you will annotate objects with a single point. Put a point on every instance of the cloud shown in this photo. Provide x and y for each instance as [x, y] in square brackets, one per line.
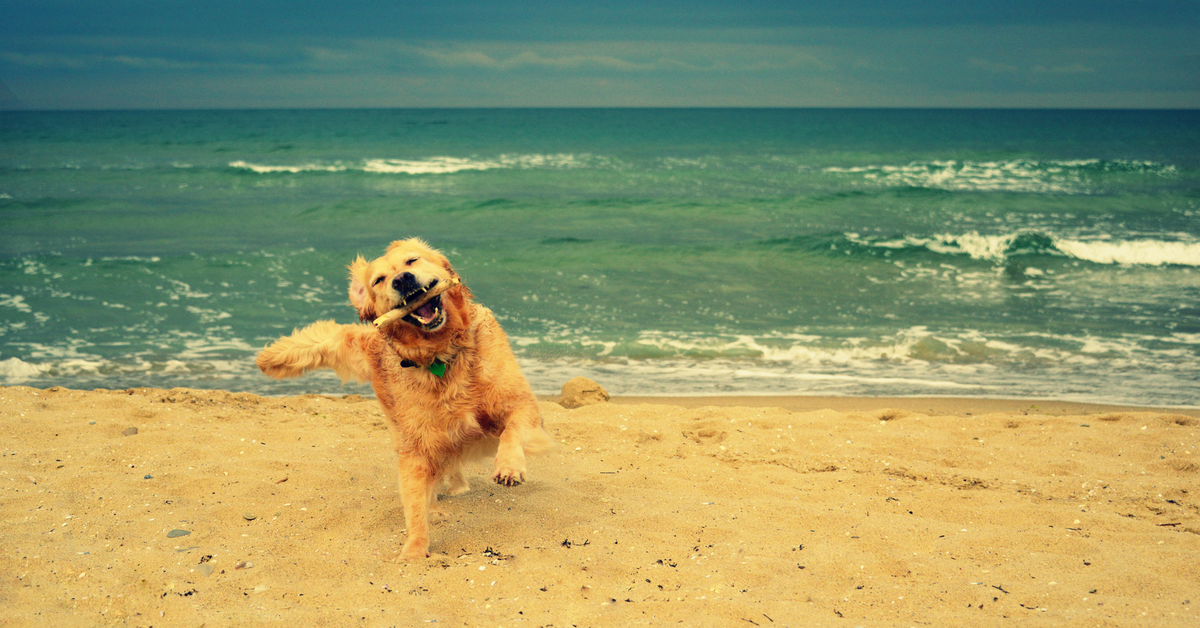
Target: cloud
[1074, 68]
[529, 58]
[354, 56]
[147, 55]
[46, 60]
[989, 66]
[766, 62]
[1037, 70]
[617, 56]
[91, 61]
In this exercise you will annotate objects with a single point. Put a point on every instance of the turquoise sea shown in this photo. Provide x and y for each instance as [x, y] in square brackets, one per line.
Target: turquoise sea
[1041, 254]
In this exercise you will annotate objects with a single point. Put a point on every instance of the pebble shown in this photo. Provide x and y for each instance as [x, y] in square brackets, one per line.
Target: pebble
[249, 517]
[244, 564]
[205, 570]
[130, 431]
[177, 533]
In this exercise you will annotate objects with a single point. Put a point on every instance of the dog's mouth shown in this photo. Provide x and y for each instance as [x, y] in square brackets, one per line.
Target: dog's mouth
[429, 316]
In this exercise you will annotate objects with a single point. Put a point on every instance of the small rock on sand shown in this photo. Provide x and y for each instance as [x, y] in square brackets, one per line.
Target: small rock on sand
[581, 391]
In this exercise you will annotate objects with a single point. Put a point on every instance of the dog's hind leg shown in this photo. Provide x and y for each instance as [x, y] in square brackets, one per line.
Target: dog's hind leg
[418, 483]
[456, 482]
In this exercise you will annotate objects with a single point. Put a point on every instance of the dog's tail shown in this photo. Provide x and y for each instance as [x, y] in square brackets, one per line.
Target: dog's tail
[324, 344]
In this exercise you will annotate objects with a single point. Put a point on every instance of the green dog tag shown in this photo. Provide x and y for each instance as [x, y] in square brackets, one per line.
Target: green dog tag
[438, 368]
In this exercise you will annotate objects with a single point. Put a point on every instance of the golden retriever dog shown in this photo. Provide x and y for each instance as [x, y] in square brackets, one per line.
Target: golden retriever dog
[444, 374]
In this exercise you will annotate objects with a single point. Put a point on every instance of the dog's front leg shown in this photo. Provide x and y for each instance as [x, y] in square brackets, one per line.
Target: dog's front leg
[510, 459]
[522, 424]
[417, 484]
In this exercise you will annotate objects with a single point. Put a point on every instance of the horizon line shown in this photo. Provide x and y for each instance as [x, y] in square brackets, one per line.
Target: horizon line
[598, 107]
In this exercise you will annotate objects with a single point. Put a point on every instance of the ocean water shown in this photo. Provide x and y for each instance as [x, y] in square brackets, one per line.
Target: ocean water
[1042, 254]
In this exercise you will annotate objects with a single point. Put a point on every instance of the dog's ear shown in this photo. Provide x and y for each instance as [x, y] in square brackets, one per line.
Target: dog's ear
[447, 266]
[460, 293]
[360, 296]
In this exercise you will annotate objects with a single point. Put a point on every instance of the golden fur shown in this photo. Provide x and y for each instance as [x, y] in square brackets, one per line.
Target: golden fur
[481, 404]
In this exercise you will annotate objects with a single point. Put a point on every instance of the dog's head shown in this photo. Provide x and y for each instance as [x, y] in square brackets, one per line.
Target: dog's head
[406, 271]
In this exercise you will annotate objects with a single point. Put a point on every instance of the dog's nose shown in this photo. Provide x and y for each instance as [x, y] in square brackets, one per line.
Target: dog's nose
[404, 283]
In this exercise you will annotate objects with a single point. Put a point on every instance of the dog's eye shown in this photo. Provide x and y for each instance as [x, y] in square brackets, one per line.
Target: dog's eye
[378, 280]
[412, 260]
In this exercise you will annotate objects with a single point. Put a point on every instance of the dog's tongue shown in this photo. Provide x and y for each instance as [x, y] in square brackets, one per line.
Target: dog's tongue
[426, 312]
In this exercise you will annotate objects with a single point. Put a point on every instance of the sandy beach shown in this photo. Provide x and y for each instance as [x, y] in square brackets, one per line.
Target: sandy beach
[185, 507]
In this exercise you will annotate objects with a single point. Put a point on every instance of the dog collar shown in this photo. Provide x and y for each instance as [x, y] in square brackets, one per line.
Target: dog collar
[437, 367]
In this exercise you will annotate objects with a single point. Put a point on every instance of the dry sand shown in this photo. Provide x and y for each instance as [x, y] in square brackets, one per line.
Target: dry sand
[661, 512]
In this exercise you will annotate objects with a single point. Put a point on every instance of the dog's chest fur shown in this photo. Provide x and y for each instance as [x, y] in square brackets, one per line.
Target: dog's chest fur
[431, 412]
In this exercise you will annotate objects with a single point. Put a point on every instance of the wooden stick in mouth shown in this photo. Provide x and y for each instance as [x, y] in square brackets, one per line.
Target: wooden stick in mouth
[407, 308]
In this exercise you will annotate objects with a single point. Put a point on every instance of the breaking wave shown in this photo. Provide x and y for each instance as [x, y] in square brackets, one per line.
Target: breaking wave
[1000, 248]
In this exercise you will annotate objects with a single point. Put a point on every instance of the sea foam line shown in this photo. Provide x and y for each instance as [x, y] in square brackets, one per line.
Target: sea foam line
[1000, 248]
[269, 169]
[430, 165]
[1054, 176]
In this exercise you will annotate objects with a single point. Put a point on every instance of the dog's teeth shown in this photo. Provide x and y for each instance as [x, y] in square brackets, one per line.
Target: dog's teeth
[407, 306]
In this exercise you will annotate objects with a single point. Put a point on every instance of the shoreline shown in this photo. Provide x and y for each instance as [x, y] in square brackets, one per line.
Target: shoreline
[930, 405]
[184, 507]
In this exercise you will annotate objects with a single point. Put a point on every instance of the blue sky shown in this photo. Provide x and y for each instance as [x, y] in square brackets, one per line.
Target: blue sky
[134, 54]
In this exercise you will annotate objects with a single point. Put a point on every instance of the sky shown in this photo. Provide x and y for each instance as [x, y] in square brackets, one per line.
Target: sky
[172, 54]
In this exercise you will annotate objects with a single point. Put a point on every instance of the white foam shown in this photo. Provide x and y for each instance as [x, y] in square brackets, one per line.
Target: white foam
[1028, 176]
[15, 370]
[1183, 338]
[778, 349]
[558, 160]
[79, 365]
[917, 356]
[985, 247]
[208, 316]
[994, 248]
[429, 165]
[268, 169]
[183, 289]
[129, 258]
[1134, 252]
[858, 379]
[17, 302]
[436, 165]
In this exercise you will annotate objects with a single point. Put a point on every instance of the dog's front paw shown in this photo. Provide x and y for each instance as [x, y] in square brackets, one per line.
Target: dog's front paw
[508, 476]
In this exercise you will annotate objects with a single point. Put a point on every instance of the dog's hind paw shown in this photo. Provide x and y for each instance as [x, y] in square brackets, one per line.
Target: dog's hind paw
[457, 486]
[414, 551]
